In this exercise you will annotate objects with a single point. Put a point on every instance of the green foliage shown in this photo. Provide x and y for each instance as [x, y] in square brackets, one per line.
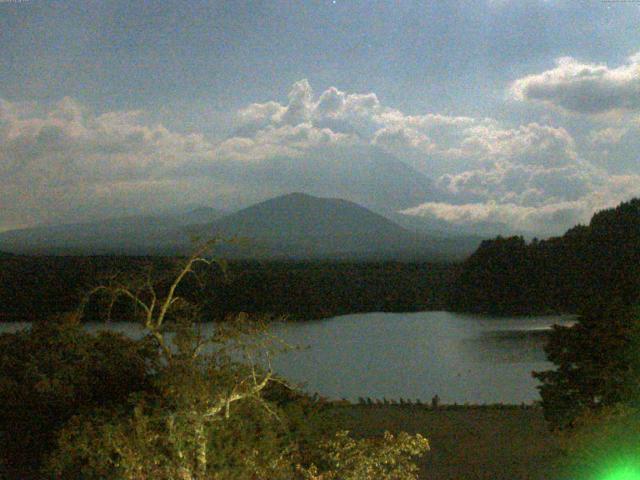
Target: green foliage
[56, 370]
[213, 410]
[597, 363]
[603, 445]
[599, 261]
[166, 442]
[386, 458]
[178, 432]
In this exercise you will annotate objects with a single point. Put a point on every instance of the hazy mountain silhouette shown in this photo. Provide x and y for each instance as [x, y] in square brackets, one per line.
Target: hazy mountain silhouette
[127, 235]
[298, 225]
[295, 225]
[366, 175]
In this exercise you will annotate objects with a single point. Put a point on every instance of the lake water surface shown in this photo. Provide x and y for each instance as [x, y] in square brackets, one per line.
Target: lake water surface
[461, 358]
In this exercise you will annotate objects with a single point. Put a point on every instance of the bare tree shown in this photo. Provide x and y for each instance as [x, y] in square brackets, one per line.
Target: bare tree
[204, 384]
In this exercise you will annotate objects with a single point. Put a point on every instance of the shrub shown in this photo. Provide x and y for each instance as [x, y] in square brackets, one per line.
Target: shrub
[56, 370]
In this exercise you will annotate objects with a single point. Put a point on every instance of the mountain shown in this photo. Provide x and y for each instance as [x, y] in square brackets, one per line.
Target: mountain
[366, 175]
[127, 235]
[295, 226]
[299, 225]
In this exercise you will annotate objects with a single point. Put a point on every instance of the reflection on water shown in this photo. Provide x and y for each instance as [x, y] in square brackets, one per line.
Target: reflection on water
[508, 346]
[462, 358]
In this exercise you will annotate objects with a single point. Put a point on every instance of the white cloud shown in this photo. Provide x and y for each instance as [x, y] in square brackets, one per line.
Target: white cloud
[585, 88]
[607, 136]
[54, 159]
[523, 175]
[547, 218]
[284, 140]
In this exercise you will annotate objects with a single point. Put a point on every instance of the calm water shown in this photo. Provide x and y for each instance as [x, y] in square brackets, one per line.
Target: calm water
[462, 358]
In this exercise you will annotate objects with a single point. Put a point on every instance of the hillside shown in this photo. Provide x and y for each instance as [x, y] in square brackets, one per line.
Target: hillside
[293, 226]
[298, 225]
[125, 235]
[588, 263]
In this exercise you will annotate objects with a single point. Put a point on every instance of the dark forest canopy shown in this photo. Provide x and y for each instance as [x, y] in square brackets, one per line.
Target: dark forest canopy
[597, 261]
[32, 288]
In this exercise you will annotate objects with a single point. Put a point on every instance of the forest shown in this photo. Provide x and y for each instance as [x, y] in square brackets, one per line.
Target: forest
[587, 265]
[33, 287]
[505, 276]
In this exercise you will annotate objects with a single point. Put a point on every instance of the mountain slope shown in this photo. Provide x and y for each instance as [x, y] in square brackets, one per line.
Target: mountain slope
[297, 226]
[127, 235]
[300, 226]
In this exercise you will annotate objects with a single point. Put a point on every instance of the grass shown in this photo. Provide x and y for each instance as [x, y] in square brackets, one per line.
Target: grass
[467, 443]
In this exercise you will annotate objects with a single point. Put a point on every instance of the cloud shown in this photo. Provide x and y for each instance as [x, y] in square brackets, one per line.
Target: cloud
[530, 178]
[584, 88]
[65, 143]
[354, 118]
[53, 159]
[608, 136]
[57, 160]
[551, 217]
[546, 218]
[281, 141]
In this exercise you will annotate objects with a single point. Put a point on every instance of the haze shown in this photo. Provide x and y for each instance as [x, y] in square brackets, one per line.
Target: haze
[524, 114]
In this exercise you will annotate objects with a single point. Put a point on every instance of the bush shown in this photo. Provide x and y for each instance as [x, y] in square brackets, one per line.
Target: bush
[56, 370]
[603, 444]
[191, 408]
[597, 363]
[387, 458]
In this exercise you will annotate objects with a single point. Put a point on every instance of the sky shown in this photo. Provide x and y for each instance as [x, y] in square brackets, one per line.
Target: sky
[524, 113]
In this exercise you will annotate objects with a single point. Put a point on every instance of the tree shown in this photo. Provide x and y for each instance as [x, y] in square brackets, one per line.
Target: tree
[56, 370]
[597, 363]
[213, 410]
[602, 444]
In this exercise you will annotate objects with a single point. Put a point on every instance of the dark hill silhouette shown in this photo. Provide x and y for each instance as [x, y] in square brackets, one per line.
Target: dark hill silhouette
[298, 225]
[127, 235]
[562, 274]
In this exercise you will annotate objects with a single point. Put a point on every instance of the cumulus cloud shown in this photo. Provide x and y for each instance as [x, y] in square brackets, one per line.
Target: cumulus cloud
[530, 178]
[285, 140]
[607, 136]
[54, 159]
[352, 118]
[546, 215]
[585, 88]
[66, 143]
[546, 218]
[64, 155]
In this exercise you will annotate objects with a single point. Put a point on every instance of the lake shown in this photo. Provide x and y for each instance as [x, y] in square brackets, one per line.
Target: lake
[461, 358]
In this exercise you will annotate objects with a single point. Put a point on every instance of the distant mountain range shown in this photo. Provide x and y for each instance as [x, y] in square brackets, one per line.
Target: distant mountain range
[296, 226]
[136, 235]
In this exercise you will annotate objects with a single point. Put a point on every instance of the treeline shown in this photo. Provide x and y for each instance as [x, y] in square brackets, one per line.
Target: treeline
[33, 288]
[587, 265]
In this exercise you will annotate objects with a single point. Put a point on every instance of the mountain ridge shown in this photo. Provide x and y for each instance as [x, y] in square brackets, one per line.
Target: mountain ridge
[295, 225]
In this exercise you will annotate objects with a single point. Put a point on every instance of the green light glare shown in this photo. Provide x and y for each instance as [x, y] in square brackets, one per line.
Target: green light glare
[625, 472]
